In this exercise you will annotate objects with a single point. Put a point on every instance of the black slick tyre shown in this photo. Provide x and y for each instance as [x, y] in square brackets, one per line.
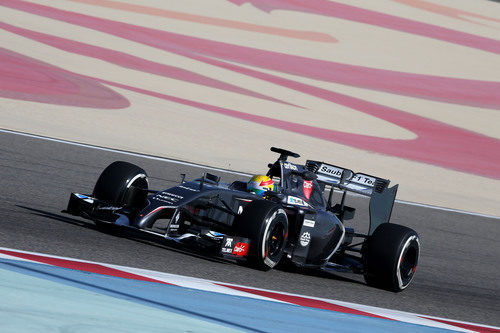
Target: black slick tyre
[121, 184]
[114, 185]
[266, 225]
[390, 257]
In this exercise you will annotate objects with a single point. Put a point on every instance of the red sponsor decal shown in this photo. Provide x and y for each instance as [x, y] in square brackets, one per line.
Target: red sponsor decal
[240, 249]
[308, 186]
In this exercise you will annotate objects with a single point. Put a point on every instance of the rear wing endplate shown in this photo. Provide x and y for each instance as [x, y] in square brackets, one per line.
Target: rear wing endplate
[381, 196]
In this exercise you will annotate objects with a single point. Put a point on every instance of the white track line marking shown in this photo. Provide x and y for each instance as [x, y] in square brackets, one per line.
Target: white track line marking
[124, 152]
[164, 159]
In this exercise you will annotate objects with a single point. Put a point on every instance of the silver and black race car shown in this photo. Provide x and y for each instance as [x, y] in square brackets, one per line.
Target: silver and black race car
[297, 222]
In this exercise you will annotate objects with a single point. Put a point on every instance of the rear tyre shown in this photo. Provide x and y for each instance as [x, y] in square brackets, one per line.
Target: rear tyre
[266, 225]
[390, 257]
[121, 184]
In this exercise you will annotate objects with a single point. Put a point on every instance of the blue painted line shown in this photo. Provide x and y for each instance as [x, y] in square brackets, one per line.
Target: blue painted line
[238, 312]
[34, 305]
[105, 287]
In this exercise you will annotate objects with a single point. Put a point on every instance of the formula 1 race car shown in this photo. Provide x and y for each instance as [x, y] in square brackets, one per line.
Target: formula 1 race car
[295, 222]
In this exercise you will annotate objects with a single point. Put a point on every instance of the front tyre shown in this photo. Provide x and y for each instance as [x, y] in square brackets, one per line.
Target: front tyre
[118, 184]
[121, 184]
[390, 257]
[266, 225]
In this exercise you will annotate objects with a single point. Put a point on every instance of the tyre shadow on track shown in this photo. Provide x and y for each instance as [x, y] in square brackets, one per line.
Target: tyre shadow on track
[121, 232]
[292, 269]
[151, 240]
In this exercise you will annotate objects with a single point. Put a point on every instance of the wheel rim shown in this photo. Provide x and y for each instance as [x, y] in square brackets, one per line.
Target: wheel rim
[408, 262]
[276, 240]
[140, 182]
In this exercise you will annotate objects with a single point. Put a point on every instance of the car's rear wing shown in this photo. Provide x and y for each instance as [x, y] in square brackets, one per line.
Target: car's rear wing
[381, 196]
[346, 179]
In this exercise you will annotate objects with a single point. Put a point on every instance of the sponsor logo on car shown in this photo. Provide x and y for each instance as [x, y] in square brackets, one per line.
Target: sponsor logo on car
[110, 208]
[188, 188]
[309, 223]
[168, 197]
[305, 238]
[362, 179]
[229, 242]
[307, 187]
[308, 184]
[173, 195]
[330, 170]
[358, 178]
[290, 166]
[296, 201]
[241, 249]
[174, 223]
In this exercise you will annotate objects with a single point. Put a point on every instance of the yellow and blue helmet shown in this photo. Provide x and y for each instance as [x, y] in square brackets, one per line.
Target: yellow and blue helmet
[259, 184]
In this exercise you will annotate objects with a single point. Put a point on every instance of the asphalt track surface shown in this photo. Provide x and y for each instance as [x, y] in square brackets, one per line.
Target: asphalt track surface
[457, 278]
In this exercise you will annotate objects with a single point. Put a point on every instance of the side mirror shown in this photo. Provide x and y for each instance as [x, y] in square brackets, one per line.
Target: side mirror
[212, 178]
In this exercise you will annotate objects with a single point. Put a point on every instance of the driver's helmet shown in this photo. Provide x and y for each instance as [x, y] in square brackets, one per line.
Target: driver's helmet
[259, 184]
